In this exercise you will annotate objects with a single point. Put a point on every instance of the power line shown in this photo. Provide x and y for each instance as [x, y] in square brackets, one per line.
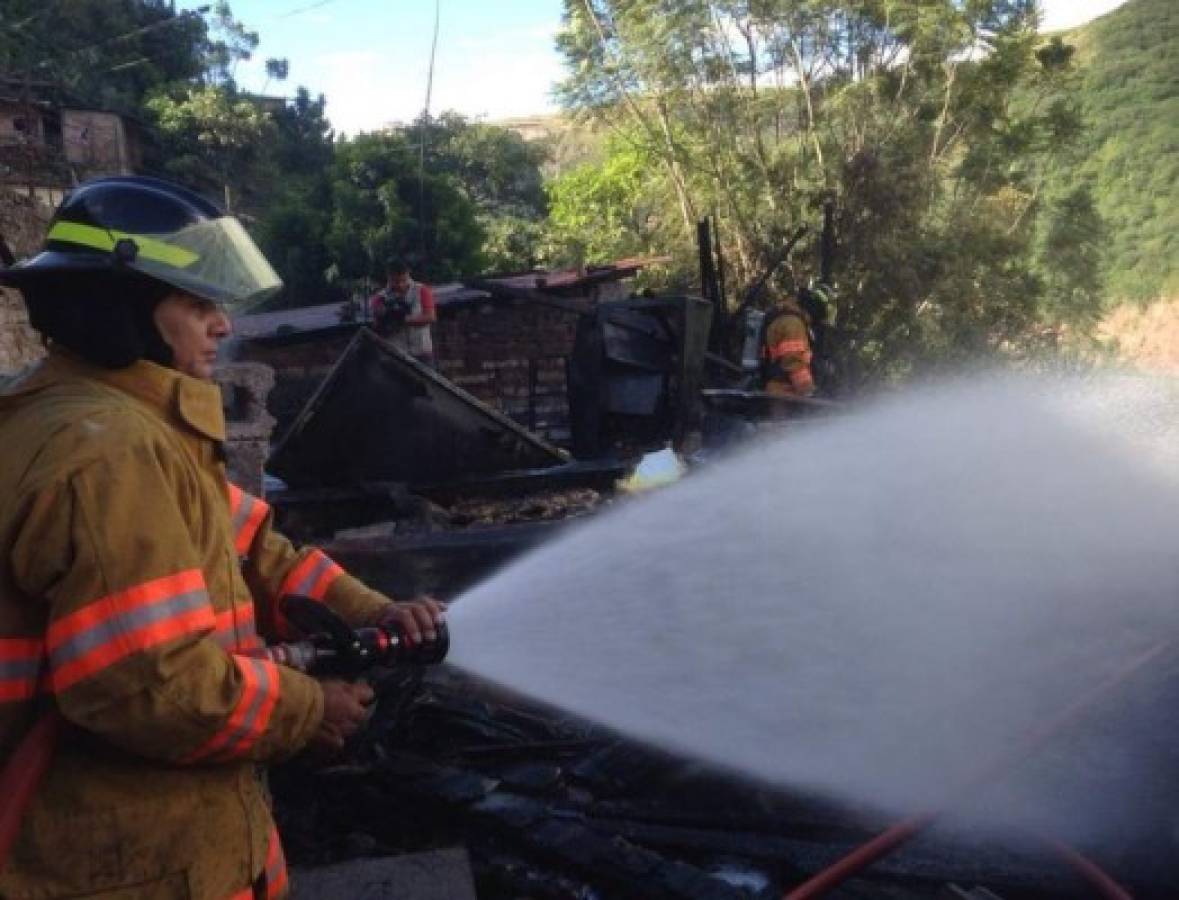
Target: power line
[302, 9]
[152, 26]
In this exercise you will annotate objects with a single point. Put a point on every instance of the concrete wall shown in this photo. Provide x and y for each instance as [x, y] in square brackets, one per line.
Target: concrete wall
[244, 390]
[19, 344]
[22, 221]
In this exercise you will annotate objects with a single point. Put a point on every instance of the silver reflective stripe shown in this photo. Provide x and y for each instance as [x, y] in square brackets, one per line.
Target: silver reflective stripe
[304, 587]
[19, 669]
[275, 866]
[124, 624]
[243, 513]
[264, 689]
[229, 639]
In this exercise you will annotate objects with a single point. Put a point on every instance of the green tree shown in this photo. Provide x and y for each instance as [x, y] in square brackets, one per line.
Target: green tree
[453, 197]
[1072, 247]
[108, 53]
[211, 137]
[295, 200]
[929, 124]
[1127, 157]
[602, 212]
[228, 43]
[500, 174]
[383, 206]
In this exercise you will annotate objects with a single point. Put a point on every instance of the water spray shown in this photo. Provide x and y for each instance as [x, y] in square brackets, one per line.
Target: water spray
[890, 610]
[892, 838]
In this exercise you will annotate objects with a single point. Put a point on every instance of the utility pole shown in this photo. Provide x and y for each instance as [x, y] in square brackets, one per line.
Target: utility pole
[425, 128]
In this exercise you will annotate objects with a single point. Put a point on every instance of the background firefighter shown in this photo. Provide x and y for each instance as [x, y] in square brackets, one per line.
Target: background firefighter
[786, 351]
[135, 581]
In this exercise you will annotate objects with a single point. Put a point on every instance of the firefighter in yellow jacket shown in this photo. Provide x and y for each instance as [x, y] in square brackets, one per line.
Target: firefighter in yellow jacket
[786, 351]
[135, 580]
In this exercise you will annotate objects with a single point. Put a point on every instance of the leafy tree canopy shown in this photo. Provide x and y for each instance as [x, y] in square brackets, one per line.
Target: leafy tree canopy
[108, 53]
[385, 206]
[1126, 159]
[931, 125]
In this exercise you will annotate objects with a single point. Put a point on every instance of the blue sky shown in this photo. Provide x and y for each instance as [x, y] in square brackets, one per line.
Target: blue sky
[495, 59]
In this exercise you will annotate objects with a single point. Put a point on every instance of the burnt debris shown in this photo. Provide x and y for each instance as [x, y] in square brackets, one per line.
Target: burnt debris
[550, 806]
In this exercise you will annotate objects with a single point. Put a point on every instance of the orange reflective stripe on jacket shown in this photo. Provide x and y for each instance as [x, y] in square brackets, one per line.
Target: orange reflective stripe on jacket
[248, 514]
[310, 578]
[785, 348]
[21, 665]
[251, 714]
[272, 884]
[101, 633]
[276, 868]
[802, 380]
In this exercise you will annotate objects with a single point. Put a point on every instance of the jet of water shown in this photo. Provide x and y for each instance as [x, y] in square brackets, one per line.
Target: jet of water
[875, 606]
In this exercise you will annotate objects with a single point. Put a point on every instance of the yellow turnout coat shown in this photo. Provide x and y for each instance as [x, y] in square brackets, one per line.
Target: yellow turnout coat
[134, 581]
[787, 352]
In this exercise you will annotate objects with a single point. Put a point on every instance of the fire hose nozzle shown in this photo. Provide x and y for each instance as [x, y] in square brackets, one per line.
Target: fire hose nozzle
[333, 648]
[384, 646]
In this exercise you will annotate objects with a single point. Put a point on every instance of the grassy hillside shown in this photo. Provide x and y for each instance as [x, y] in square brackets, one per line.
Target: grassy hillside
[1129, 88]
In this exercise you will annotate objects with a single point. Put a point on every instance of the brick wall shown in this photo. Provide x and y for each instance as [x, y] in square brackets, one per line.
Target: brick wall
[509, 355]
[512, 357]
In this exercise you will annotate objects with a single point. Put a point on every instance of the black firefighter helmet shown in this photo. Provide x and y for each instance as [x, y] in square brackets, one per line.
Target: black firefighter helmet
[116, 247]
[159, 230]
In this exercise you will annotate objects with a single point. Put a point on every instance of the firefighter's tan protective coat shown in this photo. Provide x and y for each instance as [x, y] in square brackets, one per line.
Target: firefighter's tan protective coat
[116, 530]
[788, 348]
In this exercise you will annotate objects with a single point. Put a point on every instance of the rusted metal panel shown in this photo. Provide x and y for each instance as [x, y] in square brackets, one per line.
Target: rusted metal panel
[380, 415]
[636, 372]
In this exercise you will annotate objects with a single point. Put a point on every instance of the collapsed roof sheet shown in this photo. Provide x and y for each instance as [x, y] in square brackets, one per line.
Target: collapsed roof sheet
[382, 416]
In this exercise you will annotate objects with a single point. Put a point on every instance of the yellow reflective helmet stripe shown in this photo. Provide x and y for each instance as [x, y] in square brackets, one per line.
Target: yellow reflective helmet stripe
[105, 239]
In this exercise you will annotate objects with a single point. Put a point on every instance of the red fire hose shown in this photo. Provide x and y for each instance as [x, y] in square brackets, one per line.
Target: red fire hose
[888, 840]
[22, 775]
[1102, 883]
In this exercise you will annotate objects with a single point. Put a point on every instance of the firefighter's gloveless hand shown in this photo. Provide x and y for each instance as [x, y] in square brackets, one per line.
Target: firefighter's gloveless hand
[417, 619]
[345, 708]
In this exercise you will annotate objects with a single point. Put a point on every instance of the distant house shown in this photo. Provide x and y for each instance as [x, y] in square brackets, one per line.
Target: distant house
[535, 128]
[48, 144]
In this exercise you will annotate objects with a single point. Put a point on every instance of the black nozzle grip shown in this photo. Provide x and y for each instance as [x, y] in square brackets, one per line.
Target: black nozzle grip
[426, 653]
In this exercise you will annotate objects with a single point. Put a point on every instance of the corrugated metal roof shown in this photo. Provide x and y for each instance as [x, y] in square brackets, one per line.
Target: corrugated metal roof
[331, 316]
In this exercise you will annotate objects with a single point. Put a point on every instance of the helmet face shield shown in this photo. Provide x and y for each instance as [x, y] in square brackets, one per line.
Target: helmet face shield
[211, 258]
[157, 229]
[214, 259]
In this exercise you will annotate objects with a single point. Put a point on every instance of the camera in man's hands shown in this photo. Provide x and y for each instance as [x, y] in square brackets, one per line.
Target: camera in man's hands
[396, 310]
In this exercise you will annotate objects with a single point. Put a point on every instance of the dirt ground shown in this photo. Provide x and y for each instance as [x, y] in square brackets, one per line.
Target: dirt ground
[1146, 337]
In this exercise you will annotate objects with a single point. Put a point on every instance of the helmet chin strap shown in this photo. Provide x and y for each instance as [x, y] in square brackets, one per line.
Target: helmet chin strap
[155, 348]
